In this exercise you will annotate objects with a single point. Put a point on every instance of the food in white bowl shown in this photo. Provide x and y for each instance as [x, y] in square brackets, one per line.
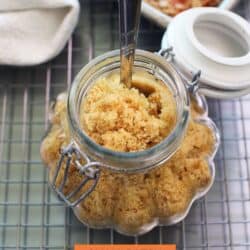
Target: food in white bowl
[173, 7]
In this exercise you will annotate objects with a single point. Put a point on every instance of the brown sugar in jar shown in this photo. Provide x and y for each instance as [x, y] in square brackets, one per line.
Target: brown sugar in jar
[128, 120]
[126, 130]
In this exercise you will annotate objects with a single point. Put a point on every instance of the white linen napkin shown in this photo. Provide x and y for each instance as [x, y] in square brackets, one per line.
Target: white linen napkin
[34, 31]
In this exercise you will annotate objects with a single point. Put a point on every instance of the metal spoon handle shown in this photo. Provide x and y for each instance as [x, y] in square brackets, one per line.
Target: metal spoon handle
[129, 11]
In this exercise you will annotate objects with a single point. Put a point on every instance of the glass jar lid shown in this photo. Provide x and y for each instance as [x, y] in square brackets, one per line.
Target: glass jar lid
[215, 42]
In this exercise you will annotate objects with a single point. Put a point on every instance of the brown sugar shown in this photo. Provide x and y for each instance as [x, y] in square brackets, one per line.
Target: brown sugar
[131, 201]
[127, 120]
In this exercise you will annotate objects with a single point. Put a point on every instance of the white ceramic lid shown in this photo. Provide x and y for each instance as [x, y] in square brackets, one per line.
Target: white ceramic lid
[215, 41]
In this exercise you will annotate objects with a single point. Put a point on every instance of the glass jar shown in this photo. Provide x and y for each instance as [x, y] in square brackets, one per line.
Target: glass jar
[91, 159]
[133, 192]
[120, 161]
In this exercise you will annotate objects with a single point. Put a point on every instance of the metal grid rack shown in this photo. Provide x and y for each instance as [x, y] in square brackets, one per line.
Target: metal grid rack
[31, 217]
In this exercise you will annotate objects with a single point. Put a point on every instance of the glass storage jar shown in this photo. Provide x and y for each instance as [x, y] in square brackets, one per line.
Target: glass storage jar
[96, 164]
[133, 192]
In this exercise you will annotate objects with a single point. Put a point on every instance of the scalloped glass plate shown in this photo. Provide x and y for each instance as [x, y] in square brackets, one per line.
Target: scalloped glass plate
[177, 217]
[203, 119]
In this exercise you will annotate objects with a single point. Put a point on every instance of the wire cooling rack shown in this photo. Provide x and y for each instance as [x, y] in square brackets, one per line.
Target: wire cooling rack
[31, 217]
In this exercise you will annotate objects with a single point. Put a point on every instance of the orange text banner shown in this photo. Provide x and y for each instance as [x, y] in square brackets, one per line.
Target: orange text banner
[125, 247]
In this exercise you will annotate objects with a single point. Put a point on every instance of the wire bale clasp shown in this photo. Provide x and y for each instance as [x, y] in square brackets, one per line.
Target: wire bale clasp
[89, 170]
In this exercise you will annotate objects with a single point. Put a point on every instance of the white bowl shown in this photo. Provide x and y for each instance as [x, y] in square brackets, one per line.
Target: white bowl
[163, 20]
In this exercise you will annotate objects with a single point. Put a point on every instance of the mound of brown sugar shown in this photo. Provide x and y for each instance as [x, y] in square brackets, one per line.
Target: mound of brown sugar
[127, 120]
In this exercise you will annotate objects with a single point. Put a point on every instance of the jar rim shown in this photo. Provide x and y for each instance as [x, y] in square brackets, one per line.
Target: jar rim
[169, 142]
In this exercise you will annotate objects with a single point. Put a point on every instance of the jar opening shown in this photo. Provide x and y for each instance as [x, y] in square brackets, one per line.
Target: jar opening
[128, 161]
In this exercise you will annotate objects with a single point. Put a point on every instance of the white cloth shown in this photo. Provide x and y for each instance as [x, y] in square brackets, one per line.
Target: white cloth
[34, 31]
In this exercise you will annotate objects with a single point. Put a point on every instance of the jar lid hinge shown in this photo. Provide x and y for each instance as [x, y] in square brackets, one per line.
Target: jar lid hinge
[167, 53]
